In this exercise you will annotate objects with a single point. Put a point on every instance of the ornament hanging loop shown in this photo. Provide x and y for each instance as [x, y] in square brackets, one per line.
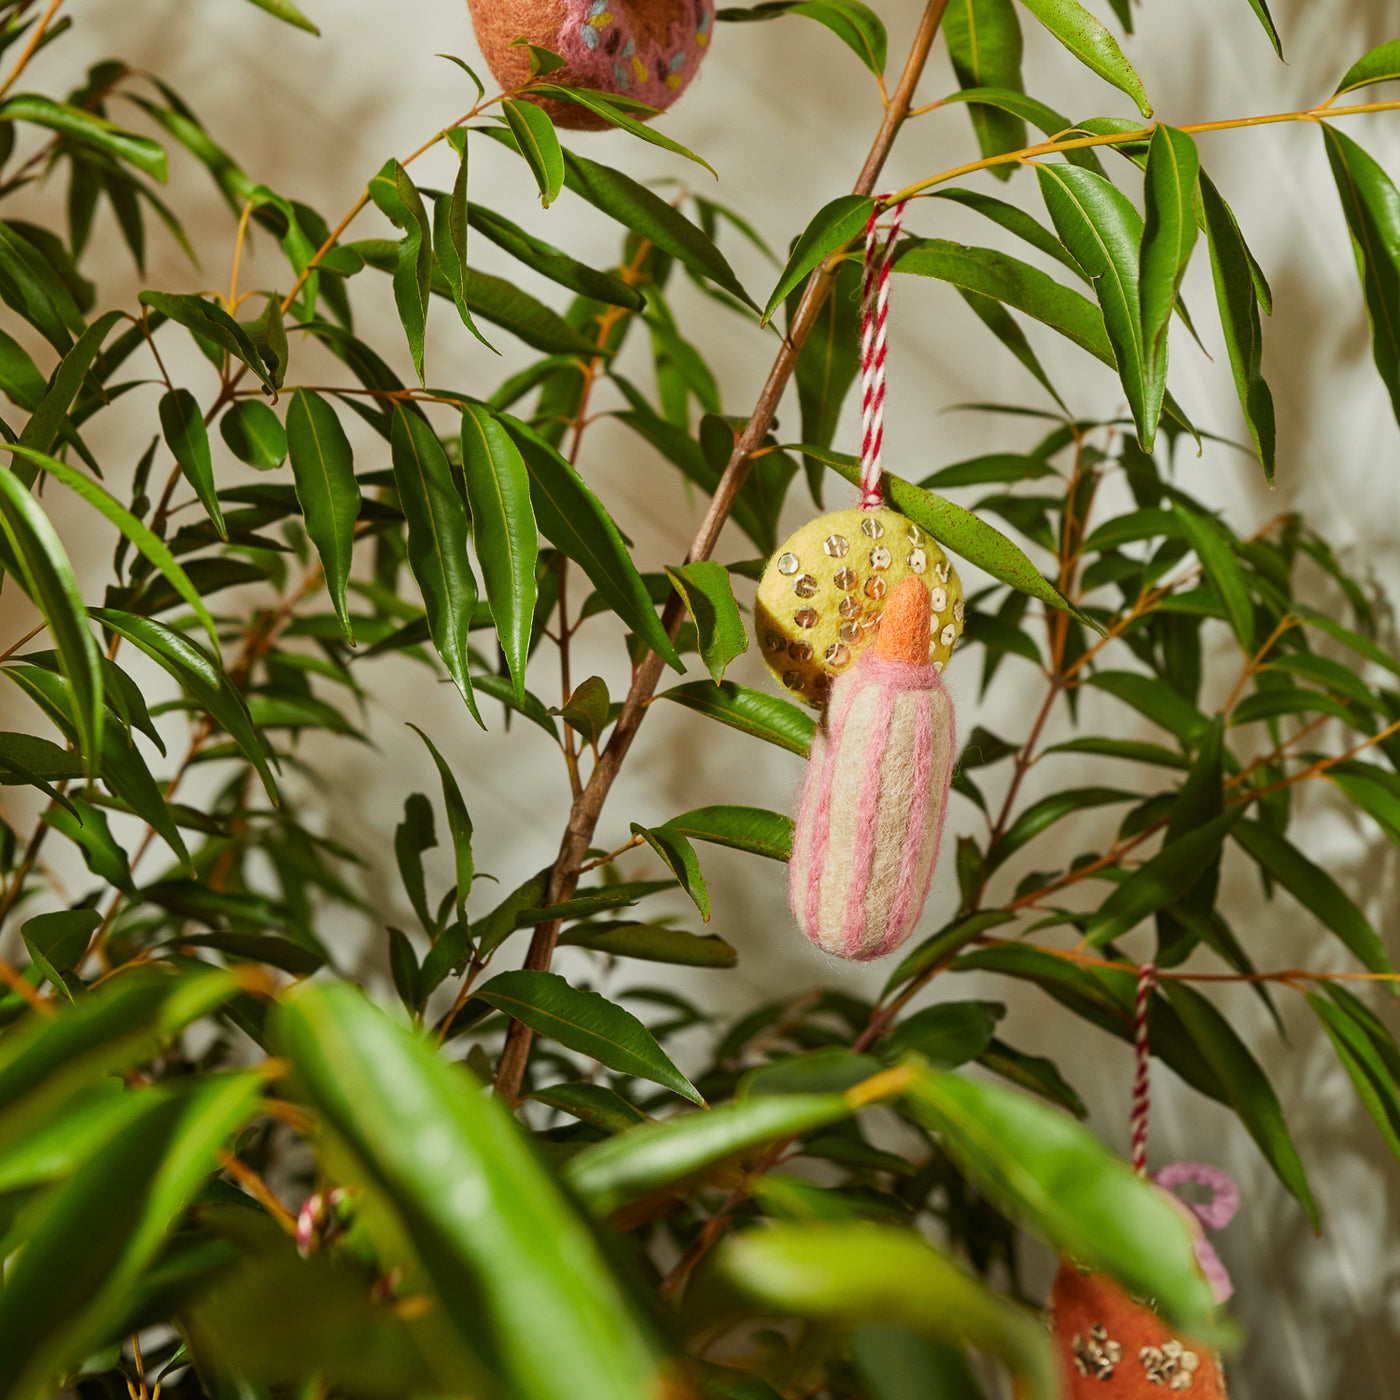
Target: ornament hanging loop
[874, 316]
[1142, 1096]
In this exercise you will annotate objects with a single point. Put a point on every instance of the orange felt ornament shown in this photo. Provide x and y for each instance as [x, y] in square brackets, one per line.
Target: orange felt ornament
[1111, 1347]
[644, 49]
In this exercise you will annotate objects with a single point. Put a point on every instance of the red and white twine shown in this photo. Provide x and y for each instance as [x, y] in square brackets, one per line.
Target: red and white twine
[1142, 1098]
[874, 316]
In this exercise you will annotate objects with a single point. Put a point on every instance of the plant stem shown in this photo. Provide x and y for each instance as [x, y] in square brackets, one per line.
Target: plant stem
[585, 813]
[31, 47]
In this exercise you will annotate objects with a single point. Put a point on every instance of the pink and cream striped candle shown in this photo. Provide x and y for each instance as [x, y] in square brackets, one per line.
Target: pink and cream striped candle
[871, 815]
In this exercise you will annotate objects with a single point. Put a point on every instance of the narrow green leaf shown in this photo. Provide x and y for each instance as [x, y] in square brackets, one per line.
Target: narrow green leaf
[1371, 204]
[1168, 235]
[538, 144]
[210, 321]
[680, 859]
[48, 579]
[1161, 704]
[651, 943]
[507, 538]
[323, 467]
[586, 1023]
[845, 1274]
[613, 114]
[58, 942]
[709, 599]
[437, 541]
[944, 945]
[395, 194]
[87, 827]
[573, 518]
[652, 1157]
[1158, 882]
[1041, 815]
[451, 219]
[635, 207]
[752, 829]
[1378, 65]
[946, 1035]
[854, 23]
[1214, 548]
[474, 1200]
[87, 129]
[1246, 1086]
[1316, 891]
[1098, 224]
[1261, 10]
[205, 681]
[752, 711]
[1366, 1061]
[592, 1104]
[254, 434]
[285, 10]
[44, 426]
[984, 44]
[188, 439]
[1236, 294]
[145, 539]
[832, 227]
[1087, 39]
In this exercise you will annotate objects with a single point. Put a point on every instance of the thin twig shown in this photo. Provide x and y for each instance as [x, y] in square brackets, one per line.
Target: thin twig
[31, 47]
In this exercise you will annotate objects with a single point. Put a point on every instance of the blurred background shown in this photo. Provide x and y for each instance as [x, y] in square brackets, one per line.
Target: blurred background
[786, 115]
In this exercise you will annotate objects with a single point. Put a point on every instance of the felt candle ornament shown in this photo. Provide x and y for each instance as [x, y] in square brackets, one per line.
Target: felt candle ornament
[858, 612]
[643, 49]
[868, 828]
[1111, 1346]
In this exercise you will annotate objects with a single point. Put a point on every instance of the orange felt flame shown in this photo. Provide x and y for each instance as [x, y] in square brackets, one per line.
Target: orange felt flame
[904, 626]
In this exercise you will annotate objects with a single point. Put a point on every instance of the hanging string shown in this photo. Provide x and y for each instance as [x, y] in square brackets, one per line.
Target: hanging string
[1142, 1099]
[874, 314]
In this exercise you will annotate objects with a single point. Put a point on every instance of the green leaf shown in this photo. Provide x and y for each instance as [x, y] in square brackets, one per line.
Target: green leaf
[751, 711]
[211, 322]
[1215, 549]
[459, 823]
[680, 859]
[592, 1104]
[451, 218]
[1315, 890]
[188, 438]
[752, 829]
[651, 943]
[1378, 65]
[967, 535]
[504, 304]
[323, 467]
[1059, 1180]
[538, 144]
[285, 10]
[474, 1200]
[397, 196]
[649, 216]
[709, 599]
[1087, 39]
[832, 227]
[573, 518]
[48, 579]
[1160, 881]
[254, 434]
[1237, 297]
[1370, 1069]
[552, 262]
[828, 363]
[652, 1157]
[1161, 704]
[437, 541]
[1099, 225]
[202, 678]
[87, 129]
[984, 44]
[609, 110]
[586, 1023]
[854, 23]
[943, 945]
[1034, 1072]
[865, 1273]
[946, 1035]
[1247, 1088]
[58, 942]
[1041, 815]
[1015, 283]
[44, 427]
[507, 539]
[72, 1285]
[1261, 10]
[86, 826]
[1371, 204]
[1168, 235]
[586, 711]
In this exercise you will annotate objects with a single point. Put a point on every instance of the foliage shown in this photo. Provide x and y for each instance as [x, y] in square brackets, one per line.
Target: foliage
[223, 1170]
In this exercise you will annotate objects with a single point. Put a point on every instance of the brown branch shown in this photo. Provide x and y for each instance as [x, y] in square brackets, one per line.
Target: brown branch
[585, 812]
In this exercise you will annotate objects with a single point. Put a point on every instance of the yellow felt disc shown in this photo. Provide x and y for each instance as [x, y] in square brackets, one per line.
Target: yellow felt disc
[821, 596]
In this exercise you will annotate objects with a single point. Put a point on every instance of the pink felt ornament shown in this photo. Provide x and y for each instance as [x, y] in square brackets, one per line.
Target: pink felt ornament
[868, 828]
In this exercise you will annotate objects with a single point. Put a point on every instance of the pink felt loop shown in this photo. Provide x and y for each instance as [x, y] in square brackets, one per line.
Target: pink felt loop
[1219, 1211]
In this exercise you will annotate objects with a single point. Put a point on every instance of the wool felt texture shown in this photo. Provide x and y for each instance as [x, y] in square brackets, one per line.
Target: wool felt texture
[866, 839]
[823, 593]
[646, 49]
[1111, 1347]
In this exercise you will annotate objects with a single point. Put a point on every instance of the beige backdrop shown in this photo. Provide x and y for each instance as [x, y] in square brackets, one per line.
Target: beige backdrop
[784, 114]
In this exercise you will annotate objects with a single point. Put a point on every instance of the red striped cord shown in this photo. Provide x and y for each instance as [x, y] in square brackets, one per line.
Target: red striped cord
[1142, 1097]
[874, 318]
